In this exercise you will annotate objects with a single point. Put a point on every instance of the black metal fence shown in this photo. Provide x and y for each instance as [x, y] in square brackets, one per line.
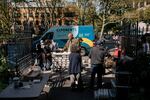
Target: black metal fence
[19, 50]
[131, 38]
[128, 70]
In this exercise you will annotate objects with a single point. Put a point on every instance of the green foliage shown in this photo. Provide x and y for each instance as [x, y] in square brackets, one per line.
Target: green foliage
[19, 1]
[115, 11]
[110, 14]
[135, 15]
[3, 63]
[3, 68]
[5, 20]
[2, 86]
[147, 15]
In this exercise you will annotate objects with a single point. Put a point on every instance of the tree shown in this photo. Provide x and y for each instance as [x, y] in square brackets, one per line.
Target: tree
[2, 59]
[83, 5]
[138, 14]
[6, 23]
[108, 11]
[114, 11]
[147, 15]
[90, 15]
[52, 7]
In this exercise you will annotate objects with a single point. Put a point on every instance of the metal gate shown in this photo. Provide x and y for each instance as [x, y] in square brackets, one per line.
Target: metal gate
[19, 50]
[131, 38]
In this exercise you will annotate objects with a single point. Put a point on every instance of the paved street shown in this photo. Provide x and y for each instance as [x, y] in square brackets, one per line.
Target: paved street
[60, 90]
[36, 37]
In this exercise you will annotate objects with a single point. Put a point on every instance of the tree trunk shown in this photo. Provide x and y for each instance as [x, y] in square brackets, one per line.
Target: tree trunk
[103, 26]
[83, 17]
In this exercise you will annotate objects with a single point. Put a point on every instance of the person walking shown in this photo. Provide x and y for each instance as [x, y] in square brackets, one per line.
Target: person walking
[75, 67]
[97, 54]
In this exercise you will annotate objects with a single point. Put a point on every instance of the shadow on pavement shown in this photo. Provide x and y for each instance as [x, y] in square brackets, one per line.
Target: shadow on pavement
[65, 93]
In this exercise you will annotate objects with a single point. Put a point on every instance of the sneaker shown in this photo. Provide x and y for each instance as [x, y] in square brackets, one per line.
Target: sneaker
[76, 82]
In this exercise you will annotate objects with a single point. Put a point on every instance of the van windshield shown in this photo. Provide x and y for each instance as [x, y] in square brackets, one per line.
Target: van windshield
[48, 36]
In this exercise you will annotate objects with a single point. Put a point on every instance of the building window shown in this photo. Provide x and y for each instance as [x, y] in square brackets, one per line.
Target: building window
[24, 14]
[59, 10]
[136, 5]
[148, 2]
[25, 22]
[37, 15]
[42, 22]
[15, 15]
[70, 14]
[31, 23]
[48, 15]
[19, 15]
[67, 22]
[141, 4]
[30, 14]
[42, 15]
[60, 22]
[49, 21]
[37, 22]
[18, 22]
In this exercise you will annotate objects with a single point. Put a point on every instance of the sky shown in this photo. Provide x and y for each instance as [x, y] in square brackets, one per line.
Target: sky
[71, 0]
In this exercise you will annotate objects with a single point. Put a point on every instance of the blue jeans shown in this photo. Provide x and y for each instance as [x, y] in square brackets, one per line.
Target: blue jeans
[96, 69]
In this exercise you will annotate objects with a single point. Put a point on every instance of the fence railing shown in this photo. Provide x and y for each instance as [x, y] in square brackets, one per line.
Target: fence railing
[131, 38]
[19, 50]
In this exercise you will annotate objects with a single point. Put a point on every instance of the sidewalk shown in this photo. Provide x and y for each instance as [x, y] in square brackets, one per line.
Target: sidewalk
[60, 88]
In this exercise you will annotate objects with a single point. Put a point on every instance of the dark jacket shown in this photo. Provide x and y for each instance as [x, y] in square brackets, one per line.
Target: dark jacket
[97, 55]
[74, 63]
